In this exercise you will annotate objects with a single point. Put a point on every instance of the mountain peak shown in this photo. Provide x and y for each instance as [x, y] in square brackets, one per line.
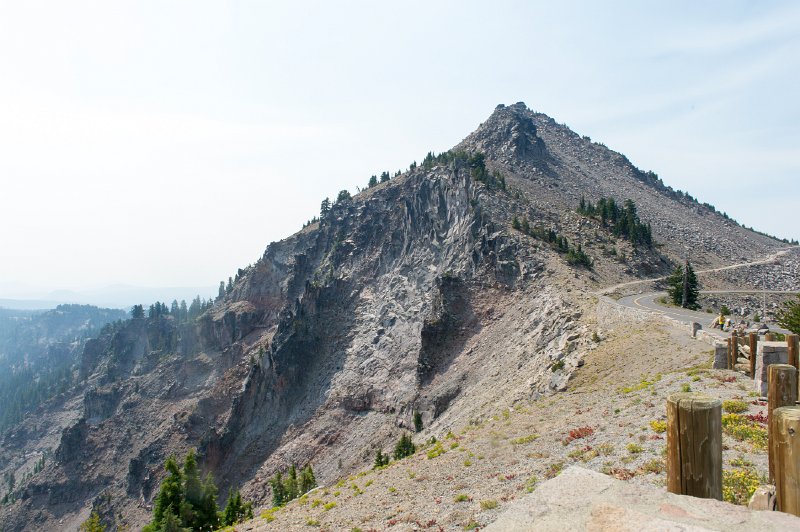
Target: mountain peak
[510, 131]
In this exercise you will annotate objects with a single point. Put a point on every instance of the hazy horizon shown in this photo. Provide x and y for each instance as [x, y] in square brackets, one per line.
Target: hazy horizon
[165, 145]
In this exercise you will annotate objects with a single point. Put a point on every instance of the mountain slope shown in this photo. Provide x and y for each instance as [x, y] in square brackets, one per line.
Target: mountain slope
[417, 295]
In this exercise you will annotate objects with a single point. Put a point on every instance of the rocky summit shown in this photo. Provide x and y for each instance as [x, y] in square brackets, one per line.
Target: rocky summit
[459, 287]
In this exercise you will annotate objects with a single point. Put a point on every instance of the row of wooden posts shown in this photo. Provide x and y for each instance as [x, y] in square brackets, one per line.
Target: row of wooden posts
[694, 435]
[752, 343]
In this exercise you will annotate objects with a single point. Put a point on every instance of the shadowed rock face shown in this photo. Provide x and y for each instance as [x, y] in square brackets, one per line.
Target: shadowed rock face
[414, 296]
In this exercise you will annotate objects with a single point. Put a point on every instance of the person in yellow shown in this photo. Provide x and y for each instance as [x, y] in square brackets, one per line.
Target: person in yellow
[721, 321]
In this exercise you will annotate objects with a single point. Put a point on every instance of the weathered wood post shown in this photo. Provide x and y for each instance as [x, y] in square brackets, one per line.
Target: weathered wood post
[782, 391]
[753, 337]
[694, 445]
[792, 344]
[787, 459]
[730, 346]
[769, 337]
[734, 349]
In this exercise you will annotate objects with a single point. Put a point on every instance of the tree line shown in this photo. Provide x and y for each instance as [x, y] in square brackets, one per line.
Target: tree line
[623, 221]
[574, 254]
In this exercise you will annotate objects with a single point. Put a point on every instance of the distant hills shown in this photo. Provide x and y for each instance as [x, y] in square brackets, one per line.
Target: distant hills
[115, 296]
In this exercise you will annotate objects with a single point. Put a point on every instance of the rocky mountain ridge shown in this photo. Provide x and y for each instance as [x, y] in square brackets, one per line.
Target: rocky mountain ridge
[416, 295]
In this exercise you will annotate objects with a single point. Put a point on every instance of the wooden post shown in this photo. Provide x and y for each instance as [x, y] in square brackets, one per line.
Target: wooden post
[734, 349]
[730, 345]
[787, 459]
[769, 337]
[753, 337]
[782, 391]
[694, 445]
[792, 344]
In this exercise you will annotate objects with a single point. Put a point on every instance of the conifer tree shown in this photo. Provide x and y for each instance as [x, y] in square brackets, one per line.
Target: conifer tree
[789, 316]
[683, 288]
[373, 180]
[344, 195]
[235, 510]
[307, 480]
[324, 208]
[278, 491]
[290, 483]
[405, 447]
[192, 492]
[170, 496]
[380, 459]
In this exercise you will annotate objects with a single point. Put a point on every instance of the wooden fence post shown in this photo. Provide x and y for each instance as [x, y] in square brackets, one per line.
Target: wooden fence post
[787, 459]
[694, 445]
[734, 349]
[782, 391]
[753, 337]
[730, 346]
[769, 337]
[792, 344]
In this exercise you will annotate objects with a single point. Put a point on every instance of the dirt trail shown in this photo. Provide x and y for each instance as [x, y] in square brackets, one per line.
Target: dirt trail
[769, 259]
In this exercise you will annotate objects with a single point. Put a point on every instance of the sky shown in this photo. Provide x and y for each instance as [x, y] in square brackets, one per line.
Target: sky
[166, 143]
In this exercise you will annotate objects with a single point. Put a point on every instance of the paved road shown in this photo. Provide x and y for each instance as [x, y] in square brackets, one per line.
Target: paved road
[650, 302]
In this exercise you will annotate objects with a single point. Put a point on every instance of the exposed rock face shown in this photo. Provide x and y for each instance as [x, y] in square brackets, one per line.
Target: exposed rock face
[414, 296]
[580, 499]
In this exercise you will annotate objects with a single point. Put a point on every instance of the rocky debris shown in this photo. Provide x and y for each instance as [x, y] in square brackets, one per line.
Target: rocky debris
[581, 499]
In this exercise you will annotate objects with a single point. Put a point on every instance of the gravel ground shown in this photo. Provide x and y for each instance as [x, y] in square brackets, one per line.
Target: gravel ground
[602, 422]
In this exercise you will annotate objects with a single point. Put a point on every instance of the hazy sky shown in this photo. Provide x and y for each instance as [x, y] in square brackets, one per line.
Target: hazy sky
[167, 143]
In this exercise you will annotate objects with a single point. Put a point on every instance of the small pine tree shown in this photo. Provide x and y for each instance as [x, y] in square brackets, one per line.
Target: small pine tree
[405, 447]
[170, 496]
[417, 421]
[683, 287]
[278, 491]
[92, 524]
[290, 485]
[789, 316]
[381, 459]
[307, 480]
[344, 195]
[208, 513]
[192, 492]
[373, 181]
[235, 510]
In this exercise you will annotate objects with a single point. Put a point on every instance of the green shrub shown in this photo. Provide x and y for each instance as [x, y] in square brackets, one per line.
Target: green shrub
[732, 406]
[658, 426]
[462, 497]
[524, 439]
[634, 448]
[436, 451]
[489, 504]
